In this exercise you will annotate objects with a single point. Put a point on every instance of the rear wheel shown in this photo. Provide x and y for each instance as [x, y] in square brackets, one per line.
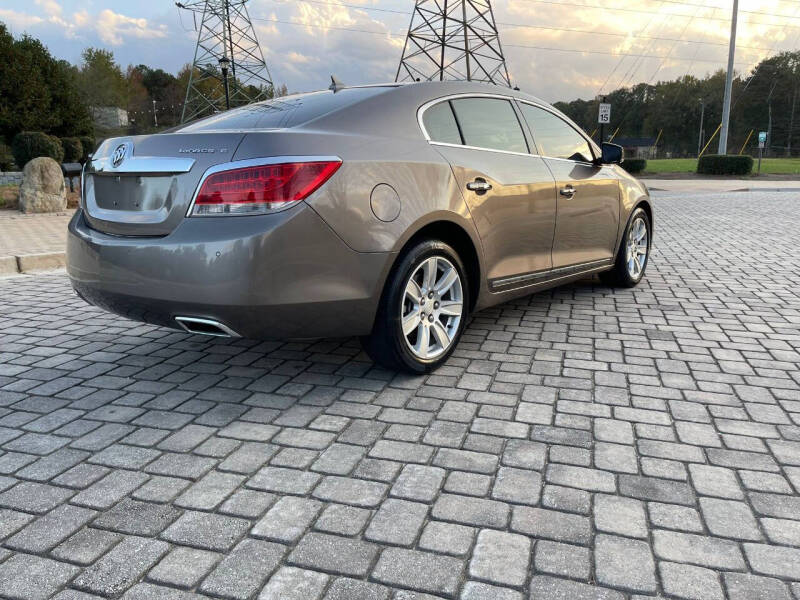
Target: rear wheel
[633, 253]
[423, 310]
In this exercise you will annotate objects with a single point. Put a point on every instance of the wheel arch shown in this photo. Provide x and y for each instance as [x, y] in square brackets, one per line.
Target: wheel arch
[455, 235]
[644, 203]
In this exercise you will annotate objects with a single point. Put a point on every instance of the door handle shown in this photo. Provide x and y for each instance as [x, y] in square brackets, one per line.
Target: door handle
[567, 192]
[480, 186]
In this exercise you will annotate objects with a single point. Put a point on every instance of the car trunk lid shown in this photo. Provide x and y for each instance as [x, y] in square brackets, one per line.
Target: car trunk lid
[142, 186]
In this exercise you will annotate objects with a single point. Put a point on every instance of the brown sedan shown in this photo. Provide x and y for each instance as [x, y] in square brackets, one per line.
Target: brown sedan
[389, 212]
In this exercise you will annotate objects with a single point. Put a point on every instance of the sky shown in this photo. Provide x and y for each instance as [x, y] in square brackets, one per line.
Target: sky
[555, 49]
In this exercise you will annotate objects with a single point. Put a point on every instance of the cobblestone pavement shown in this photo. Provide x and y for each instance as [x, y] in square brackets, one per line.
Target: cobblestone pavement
[583, 443]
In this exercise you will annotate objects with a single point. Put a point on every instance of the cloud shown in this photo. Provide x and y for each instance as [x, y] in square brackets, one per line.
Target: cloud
[110, 27]
[557, 49]
[18, 20]
[311, 40]
[113, 27]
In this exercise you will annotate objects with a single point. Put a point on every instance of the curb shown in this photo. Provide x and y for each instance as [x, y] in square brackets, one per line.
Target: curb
[769, 189]
[31, 263]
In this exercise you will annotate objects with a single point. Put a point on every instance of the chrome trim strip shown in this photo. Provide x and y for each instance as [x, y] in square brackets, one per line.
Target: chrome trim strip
[142, 165]
[557, 273]
[464, 146]
[227, 331]
[421, 110]
[251, 162]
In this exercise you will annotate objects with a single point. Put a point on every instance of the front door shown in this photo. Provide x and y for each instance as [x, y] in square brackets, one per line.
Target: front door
[587, 194]
[510, 193]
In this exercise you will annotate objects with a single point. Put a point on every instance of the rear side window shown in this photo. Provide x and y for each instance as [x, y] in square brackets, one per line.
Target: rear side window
[489, 123]
[555, 137]
[287, 111]
[441, 124]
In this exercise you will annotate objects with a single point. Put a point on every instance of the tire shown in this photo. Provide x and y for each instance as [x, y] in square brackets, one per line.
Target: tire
[626, 273]
[439, 313]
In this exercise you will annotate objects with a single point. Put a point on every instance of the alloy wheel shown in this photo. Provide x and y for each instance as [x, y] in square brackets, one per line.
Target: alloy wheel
[637, 246]
[432, 306]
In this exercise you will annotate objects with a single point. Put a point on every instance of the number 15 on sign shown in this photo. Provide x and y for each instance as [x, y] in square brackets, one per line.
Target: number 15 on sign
[604, 114]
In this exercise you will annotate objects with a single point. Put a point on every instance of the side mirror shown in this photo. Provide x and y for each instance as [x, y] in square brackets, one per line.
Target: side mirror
[611, 154]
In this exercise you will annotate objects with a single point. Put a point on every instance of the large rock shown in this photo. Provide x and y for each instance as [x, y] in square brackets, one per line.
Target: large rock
[42, 188]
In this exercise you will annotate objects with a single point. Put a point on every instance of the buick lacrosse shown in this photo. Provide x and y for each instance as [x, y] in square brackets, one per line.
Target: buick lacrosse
[389, 212]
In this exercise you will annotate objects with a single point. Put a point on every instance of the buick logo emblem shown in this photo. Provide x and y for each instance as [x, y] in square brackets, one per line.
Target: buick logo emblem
[119, 155]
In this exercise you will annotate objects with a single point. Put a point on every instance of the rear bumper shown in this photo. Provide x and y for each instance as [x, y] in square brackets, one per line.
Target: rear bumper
[286, 275]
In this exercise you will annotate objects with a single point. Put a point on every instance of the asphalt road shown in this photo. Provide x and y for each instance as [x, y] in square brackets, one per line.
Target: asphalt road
[581, 443]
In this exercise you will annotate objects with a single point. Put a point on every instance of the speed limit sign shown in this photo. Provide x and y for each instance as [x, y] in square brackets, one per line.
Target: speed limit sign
[604, 114]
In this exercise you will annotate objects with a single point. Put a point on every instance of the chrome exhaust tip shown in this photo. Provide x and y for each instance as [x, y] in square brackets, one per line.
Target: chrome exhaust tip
[206, 327]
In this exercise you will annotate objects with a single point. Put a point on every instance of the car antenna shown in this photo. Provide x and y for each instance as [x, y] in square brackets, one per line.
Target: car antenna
[336, 85]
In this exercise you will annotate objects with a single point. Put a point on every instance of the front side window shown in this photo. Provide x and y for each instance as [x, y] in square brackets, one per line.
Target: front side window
[441, 124]
[555, 137]
[489, 123]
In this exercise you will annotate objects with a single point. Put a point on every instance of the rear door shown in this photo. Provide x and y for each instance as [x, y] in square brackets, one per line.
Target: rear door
[587, 194]
[510, 193]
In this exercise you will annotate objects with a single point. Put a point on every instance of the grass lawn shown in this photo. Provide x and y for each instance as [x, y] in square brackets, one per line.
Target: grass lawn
[772, 166]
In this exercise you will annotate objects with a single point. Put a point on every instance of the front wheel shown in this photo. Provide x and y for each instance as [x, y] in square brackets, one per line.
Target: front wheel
[423, 310]
[634, 250]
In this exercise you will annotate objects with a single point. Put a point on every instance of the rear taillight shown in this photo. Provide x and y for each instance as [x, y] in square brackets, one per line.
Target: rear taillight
[261, 189]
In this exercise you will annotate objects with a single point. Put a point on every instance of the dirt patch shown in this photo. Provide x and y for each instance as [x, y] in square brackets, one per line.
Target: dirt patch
[9, 196]
[73, 199]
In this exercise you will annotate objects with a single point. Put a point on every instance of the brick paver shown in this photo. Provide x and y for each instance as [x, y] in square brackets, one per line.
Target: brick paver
[581, 443]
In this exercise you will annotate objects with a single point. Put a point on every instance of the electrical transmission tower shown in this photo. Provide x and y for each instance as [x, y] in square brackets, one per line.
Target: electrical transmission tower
[226, 43]
[453, 39]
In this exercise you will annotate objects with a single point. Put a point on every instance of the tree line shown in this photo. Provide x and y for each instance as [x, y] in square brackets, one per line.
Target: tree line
[39, 93]
[764, 99]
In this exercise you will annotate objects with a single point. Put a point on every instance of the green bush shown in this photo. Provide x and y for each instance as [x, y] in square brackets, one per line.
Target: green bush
[634, 165]
[73, 149]
[28, 145]
[87, 142]
[724, 164]
[6, 158]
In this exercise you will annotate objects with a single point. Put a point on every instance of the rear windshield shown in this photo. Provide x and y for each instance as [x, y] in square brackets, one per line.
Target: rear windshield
[287, 111]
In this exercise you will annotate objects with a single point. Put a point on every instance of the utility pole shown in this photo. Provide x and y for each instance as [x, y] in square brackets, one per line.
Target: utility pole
[726, 107]
[700, 133]
[155, 118]
[791, 123]
[769, 118]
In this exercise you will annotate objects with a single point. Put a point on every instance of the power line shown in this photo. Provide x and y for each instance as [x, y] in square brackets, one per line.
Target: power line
[524, 26]
[752, 12]
[661, 64]
[594, 6]
[622, 59]
[402, 34]
[647, 12]
[637, 62]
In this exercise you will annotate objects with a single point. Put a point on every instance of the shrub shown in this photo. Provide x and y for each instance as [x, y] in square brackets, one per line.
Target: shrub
[725, 164]
[634, 165]
[87, 142]
[73, 149]
[28, 145]
[6, 158]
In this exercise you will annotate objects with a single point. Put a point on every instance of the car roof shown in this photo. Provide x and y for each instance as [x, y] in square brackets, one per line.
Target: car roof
[436, 89]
